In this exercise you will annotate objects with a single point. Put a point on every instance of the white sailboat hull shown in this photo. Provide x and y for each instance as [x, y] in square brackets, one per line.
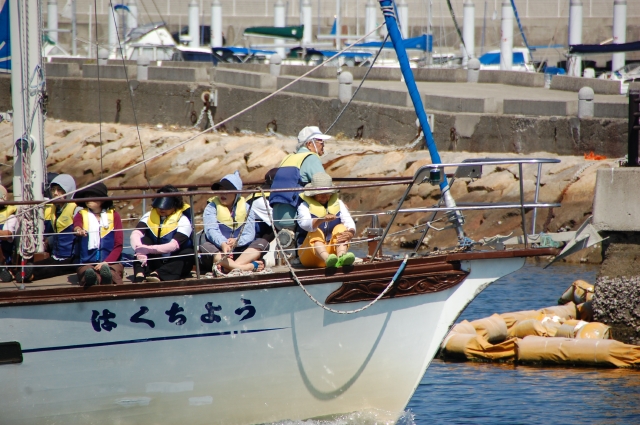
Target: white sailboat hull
[290, 360]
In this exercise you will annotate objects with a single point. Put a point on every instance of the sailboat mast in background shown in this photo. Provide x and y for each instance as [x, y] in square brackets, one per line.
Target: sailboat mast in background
[28, 95]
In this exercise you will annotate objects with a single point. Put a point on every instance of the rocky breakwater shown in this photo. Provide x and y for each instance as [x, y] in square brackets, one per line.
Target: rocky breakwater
[87, 151]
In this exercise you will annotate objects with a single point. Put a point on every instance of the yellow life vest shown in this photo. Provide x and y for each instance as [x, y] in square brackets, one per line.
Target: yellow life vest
[7, 212]
[318, 210]
[169, 225]
[224, 214]
[296, 159]
[64, 220]
[104, 231]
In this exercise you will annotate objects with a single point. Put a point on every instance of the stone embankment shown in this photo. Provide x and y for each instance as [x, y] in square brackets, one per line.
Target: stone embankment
[85, 152]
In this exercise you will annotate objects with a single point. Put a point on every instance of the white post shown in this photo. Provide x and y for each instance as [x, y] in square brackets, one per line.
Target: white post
[307, 21]
[52, 20]
[506, 39]
[279, 20]
[468, 31]
[338, 24]
[132, 17]
[194, 24]
[403, 17]
[27, 111]
[74, 29]
[143, 68]
[619, 31]
[345, 89]
[370, 20]
[575, 37]
[112, 31]
[216, 23]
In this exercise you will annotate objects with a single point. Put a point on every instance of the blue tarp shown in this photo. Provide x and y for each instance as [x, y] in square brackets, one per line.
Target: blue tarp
[493, 58]
[5, 44]
[245, 51]
[423, 42]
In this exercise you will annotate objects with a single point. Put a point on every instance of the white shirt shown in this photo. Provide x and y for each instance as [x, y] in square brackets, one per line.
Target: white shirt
[305, 220]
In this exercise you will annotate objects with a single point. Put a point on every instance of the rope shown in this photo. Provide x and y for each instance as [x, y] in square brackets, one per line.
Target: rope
[237, 114]
[524, 37]
[311, 297]
[360, 85]
[455, 23]
[133, 106]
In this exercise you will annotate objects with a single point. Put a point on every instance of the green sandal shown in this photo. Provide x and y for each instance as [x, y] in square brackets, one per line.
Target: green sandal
[332, 260]
[346, 259]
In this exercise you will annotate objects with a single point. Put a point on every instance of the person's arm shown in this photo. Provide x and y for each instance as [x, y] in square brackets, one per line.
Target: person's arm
[10, 228]
[310, 166]
[305, 221]
[118, 239]
[211, 227]
[345, 218]
[78, 225]
[248, 234]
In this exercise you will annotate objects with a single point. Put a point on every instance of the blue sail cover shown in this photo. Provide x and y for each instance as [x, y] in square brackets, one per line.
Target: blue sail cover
[423, 42]
[493, 58]
[634, 46]
[5, 45]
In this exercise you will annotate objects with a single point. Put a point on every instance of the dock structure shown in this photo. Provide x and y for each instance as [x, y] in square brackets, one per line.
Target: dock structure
[616, 211]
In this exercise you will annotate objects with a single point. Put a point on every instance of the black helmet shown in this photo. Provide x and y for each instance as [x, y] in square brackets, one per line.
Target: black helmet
[165, 203]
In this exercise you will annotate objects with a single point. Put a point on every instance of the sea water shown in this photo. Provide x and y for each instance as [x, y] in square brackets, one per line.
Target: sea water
[490, 393]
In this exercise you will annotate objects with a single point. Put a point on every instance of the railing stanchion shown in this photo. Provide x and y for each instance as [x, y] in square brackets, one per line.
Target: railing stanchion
[524, 224]
[194, 237]
[535, 199]
[144, 203]
[393, 217]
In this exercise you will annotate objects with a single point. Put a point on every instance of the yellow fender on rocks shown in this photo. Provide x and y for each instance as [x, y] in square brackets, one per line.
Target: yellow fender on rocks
[493, 329]
[565, 312]
[528, 327]
[474, 347]
[599, 352]
[514, 317]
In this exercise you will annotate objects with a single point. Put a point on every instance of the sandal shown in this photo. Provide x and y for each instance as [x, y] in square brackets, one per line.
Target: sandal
[90, 278]
[153, 277]
[256, 265]
[105, 275]
[139, 278]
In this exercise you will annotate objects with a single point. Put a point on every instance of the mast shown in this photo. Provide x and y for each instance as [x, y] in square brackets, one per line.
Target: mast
[396, 38]
[28, 93]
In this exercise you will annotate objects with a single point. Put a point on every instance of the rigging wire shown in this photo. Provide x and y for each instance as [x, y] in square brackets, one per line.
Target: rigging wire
[133, 106]
[213, 127]
[360, 85]
[524, 37]
[455, 23]
[95, 15]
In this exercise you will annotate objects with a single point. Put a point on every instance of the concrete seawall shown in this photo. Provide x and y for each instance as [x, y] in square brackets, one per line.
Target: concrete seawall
[178, 103]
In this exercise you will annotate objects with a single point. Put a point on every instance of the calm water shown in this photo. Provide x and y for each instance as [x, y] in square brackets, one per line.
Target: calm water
[482, 393]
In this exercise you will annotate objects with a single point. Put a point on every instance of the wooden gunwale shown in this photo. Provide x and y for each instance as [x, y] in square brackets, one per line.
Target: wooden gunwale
[360, 272]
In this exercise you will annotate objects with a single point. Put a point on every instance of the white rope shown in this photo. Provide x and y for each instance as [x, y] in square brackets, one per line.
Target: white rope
[312, 298]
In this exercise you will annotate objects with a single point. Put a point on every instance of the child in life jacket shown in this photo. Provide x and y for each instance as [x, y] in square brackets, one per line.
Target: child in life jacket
[58, 225]
[8, 228]
[99, 230]
[326, 226]
[230, 230]
[162, 240]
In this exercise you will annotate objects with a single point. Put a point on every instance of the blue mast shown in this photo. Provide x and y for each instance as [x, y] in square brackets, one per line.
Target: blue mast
[388, 10]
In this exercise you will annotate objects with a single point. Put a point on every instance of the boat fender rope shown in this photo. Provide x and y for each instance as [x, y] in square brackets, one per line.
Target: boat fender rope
[318, 303]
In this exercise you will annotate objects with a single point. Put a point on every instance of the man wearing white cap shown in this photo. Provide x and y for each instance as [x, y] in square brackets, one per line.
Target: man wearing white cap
[296, 170]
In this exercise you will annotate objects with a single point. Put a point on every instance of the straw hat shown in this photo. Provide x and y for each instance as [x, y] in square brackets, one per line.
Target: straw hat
[3, 192]
[320, 180]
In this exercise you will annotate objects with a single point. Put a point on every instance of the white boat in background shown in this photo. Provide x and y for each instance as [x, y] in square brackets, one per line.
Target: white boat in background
[521, 60]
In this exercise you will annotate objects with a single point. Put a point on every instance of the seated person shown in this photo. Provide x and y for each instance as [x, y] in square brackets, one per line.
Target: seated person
[327, 226]
[99, 230]
[261, 210]
[229, 230]
[162, 240]
[296, 170]
[58, 224]
[8, 228]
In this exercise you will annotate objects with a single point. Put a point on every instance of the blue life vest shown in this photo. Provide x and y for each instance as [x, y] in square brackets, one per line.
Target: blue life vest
[318, 210]
[161, 232]
[62, 225]
[107, 240]
[288, 176]
[7, 247]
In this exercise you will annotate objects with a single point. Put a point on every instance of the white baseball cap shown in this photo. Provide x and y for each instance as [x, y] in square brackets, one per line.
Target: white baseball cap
[309, 133]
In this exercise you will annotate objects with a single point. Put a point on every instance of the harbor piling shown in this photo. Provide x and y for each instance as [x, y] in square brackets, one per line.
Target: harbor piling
[506, 37]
